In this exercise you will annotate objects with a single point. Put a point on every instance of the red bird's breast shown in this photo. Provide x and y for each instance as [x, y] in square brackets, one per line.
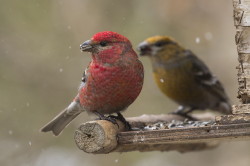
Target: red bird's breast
[109, 89]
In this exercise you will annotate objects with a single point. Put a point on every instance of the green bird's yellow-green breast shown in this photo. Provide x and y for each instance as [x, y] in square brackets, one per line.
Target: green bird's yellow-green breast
[179, 84]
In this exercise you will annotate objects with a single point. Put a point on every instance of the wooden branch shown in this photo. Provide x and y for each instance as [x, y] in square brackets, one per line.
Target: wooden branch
[241, 109]
[180, 147]
[186, 135]
[242, 39]
[233, 119]
[101, 136]
[161, 133]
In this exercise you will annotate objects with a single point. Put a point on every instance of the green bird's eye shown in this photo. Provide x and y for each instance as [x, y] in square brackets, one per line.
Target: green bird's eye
[103, 43]
[160, 43]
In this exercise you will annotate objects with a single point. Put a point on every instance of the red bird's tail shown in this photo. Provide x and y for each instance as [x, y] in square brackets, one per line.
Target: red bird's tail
[57, 124]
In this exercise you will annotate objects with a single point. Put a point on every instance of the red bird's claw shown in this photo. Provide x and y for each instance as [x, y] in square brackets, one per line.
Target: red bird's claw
[127, 125]
[113, 116]
[122, 119]
[111, 119]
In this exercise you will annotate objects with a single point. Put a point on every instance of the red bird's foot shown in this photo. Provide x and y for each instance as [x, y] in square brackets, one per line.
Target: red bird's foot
[122, 119]
[109, 118]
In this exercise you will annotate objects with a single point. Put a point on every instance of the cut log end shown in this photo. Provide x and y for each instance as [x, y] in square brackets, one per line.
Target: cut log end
[97, 136]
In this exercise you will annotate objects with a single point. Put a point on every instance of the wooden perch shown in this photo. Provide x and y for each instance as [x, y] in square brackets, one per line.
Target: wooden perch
[161, 133]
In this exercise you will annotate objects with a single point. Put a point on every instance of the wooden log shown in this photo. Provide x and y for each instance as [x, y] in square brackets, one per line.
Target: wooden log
[241, 109]
[233, 119]
[187, 135]
[161, 133]
[101, 136]
[180, 147]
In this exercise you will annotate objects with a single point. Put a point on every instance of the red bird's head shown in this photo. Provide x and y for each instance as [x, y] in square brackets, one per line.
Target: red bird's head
[108, 47]
[109, 36]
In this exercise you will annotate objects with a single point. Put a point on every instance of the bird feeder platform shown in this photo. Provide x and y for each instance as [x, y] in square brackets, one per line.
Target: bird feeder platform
[164, 132]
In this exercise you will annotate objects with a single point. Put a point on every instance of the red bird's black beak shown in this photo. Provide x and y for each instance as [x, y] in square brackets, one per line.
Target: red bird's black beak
[86, 46]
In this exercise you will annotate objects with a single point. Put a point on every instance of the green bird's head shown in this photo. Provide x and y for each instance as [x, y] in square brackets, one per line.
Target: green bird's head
[163, 48]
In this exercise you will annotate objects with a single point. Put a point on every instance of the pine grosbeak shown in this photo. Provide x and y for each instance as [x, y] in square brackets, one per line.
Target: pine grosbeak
[183, 77]
[111, 82]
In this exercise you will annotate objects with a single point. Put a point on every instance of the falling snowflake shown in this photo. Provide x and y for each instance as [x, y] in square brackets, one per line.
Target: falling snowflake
[10, 132]
[197, 40]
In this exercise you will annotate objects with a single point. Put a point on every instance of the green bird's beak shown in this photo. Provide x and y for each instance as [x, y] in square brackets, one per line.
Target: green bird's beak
[144, 48]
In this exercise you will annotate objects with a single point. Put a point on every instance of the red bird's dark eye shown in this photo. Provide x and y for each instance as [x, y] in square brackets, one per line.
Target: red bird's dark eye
[103, 43]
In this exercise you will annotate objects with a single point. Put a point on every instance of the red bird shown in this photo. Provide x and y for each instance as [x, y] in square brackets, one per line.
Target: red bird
[111, 82]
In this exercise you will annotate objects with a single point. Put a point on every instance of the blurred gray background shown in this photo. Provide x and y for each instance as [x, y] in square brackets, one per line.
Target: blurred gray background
[41, 67]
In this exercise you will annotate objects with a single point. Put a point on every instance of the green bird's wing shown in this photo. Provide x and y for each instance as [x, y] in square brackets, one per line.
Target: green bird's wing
[205, 78]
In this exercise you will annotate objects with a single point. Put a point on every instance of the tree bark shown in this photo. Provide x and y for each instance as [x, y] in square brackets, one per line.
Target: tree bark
[242, 39]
